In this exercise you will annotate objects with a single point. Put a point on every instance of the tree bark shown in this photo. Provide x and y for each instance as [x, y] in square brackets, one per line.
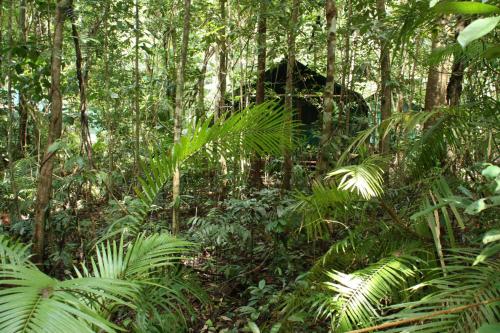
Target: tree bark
[44, 188]
[179, 98]
[222, 60]
[200, 110]
[328, 106]
[23, 112]
[385, 78]
[257, 163]
[137, 92]
[86, 142]
[288, 164]
[454, 88]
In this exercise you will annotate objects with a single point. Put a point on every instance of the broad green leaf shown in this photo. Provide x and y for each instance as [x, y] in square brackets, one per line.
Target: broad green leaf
[476, 207]
[491, 172]
[465, 7]
[433, 3]
[253, 326]
[477, 29]
[491, 236]
[276, 328]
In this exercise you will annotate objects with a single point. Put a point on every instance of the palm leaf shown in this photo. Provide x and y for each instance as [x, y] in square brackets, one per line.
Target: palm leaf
[359, 295]
[364, 179]
[261, 129]
[35, 302]
[462, 301]
[12, 252]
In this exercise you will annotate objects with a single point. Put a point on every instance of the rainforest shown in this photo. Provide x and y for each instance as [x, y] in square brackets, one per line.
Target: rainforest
[261, 166]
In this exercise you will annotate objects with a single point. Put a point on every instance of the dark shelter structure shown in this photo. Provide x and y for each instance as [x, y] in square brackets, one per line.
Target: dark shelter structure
[308, 95]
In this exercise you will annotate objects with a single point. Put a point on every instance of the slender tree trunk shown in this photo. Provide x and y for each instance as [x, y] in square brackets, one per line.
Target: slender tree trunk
[222, 60]
[179, 97]
[346, 67]
[328, 106]
[433, 93]
[44, 188]
[454, 88]
[411, 97]
[222, 89]
[257, 163]
[385, 78]
[86, 143]
[200, 110]
[10, 129]
[23, 112]
[137, 92]
[288, 164]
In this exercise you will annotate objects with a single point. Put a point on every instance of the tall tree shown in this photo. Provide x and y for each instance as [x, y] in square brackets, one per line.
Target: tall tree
[257, 162]
[454, 88]
[81, 76]
[44, 188]
[385, 77]
[328, 102]
[288, 164]
[434, 93]
[23, 112]
[179, 98]
[222, 60]
[137, 90]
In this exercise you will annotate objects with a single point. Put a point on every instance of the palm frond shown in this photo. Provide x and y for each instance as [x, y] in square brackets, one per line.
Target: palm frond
[365, 179]
[35, 302]
[261, 129]
[359, 296]
[139, 259]
[322, 208]
[462, 301]
[12, 252]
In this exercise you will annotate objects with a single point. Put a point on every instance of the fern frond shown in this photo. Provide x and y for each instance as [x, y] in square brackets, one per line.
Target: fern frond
[12, 252]
[359, 295]
[365, 179]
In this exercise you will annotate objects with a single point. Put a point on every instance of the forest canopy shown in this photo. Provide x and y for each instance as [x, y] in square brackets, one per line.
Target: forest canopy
[249, 166]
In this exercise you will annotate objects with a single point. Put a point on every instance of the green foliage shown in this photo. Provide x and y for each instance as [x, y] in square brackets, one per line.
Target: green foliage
[364, 179]
[357, 296]
[461, 301]
[35, 302]
[12, 252]
[259, 129]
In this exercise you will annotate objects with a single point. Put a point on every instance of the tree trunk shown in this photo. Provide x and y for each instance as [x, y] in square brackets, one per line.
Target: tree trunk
[328, 106]
[137, 92]
[86, 142]
[385, 78]
[200, 110]
[44, 188]
[222, 89]
[23, 112]
[257, 162]
[288, 165]
[179, 98]
[454, 88]
[222, 60]
[10, 129]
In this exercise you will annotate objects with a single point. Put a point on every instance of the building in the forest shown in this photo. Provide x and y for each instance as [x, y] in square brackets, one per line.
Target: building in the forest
[308, 96]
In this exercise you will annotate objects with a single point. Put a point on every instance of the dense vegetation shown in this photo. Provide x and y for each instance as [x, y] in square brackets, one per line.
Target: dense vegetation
[249, 166]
